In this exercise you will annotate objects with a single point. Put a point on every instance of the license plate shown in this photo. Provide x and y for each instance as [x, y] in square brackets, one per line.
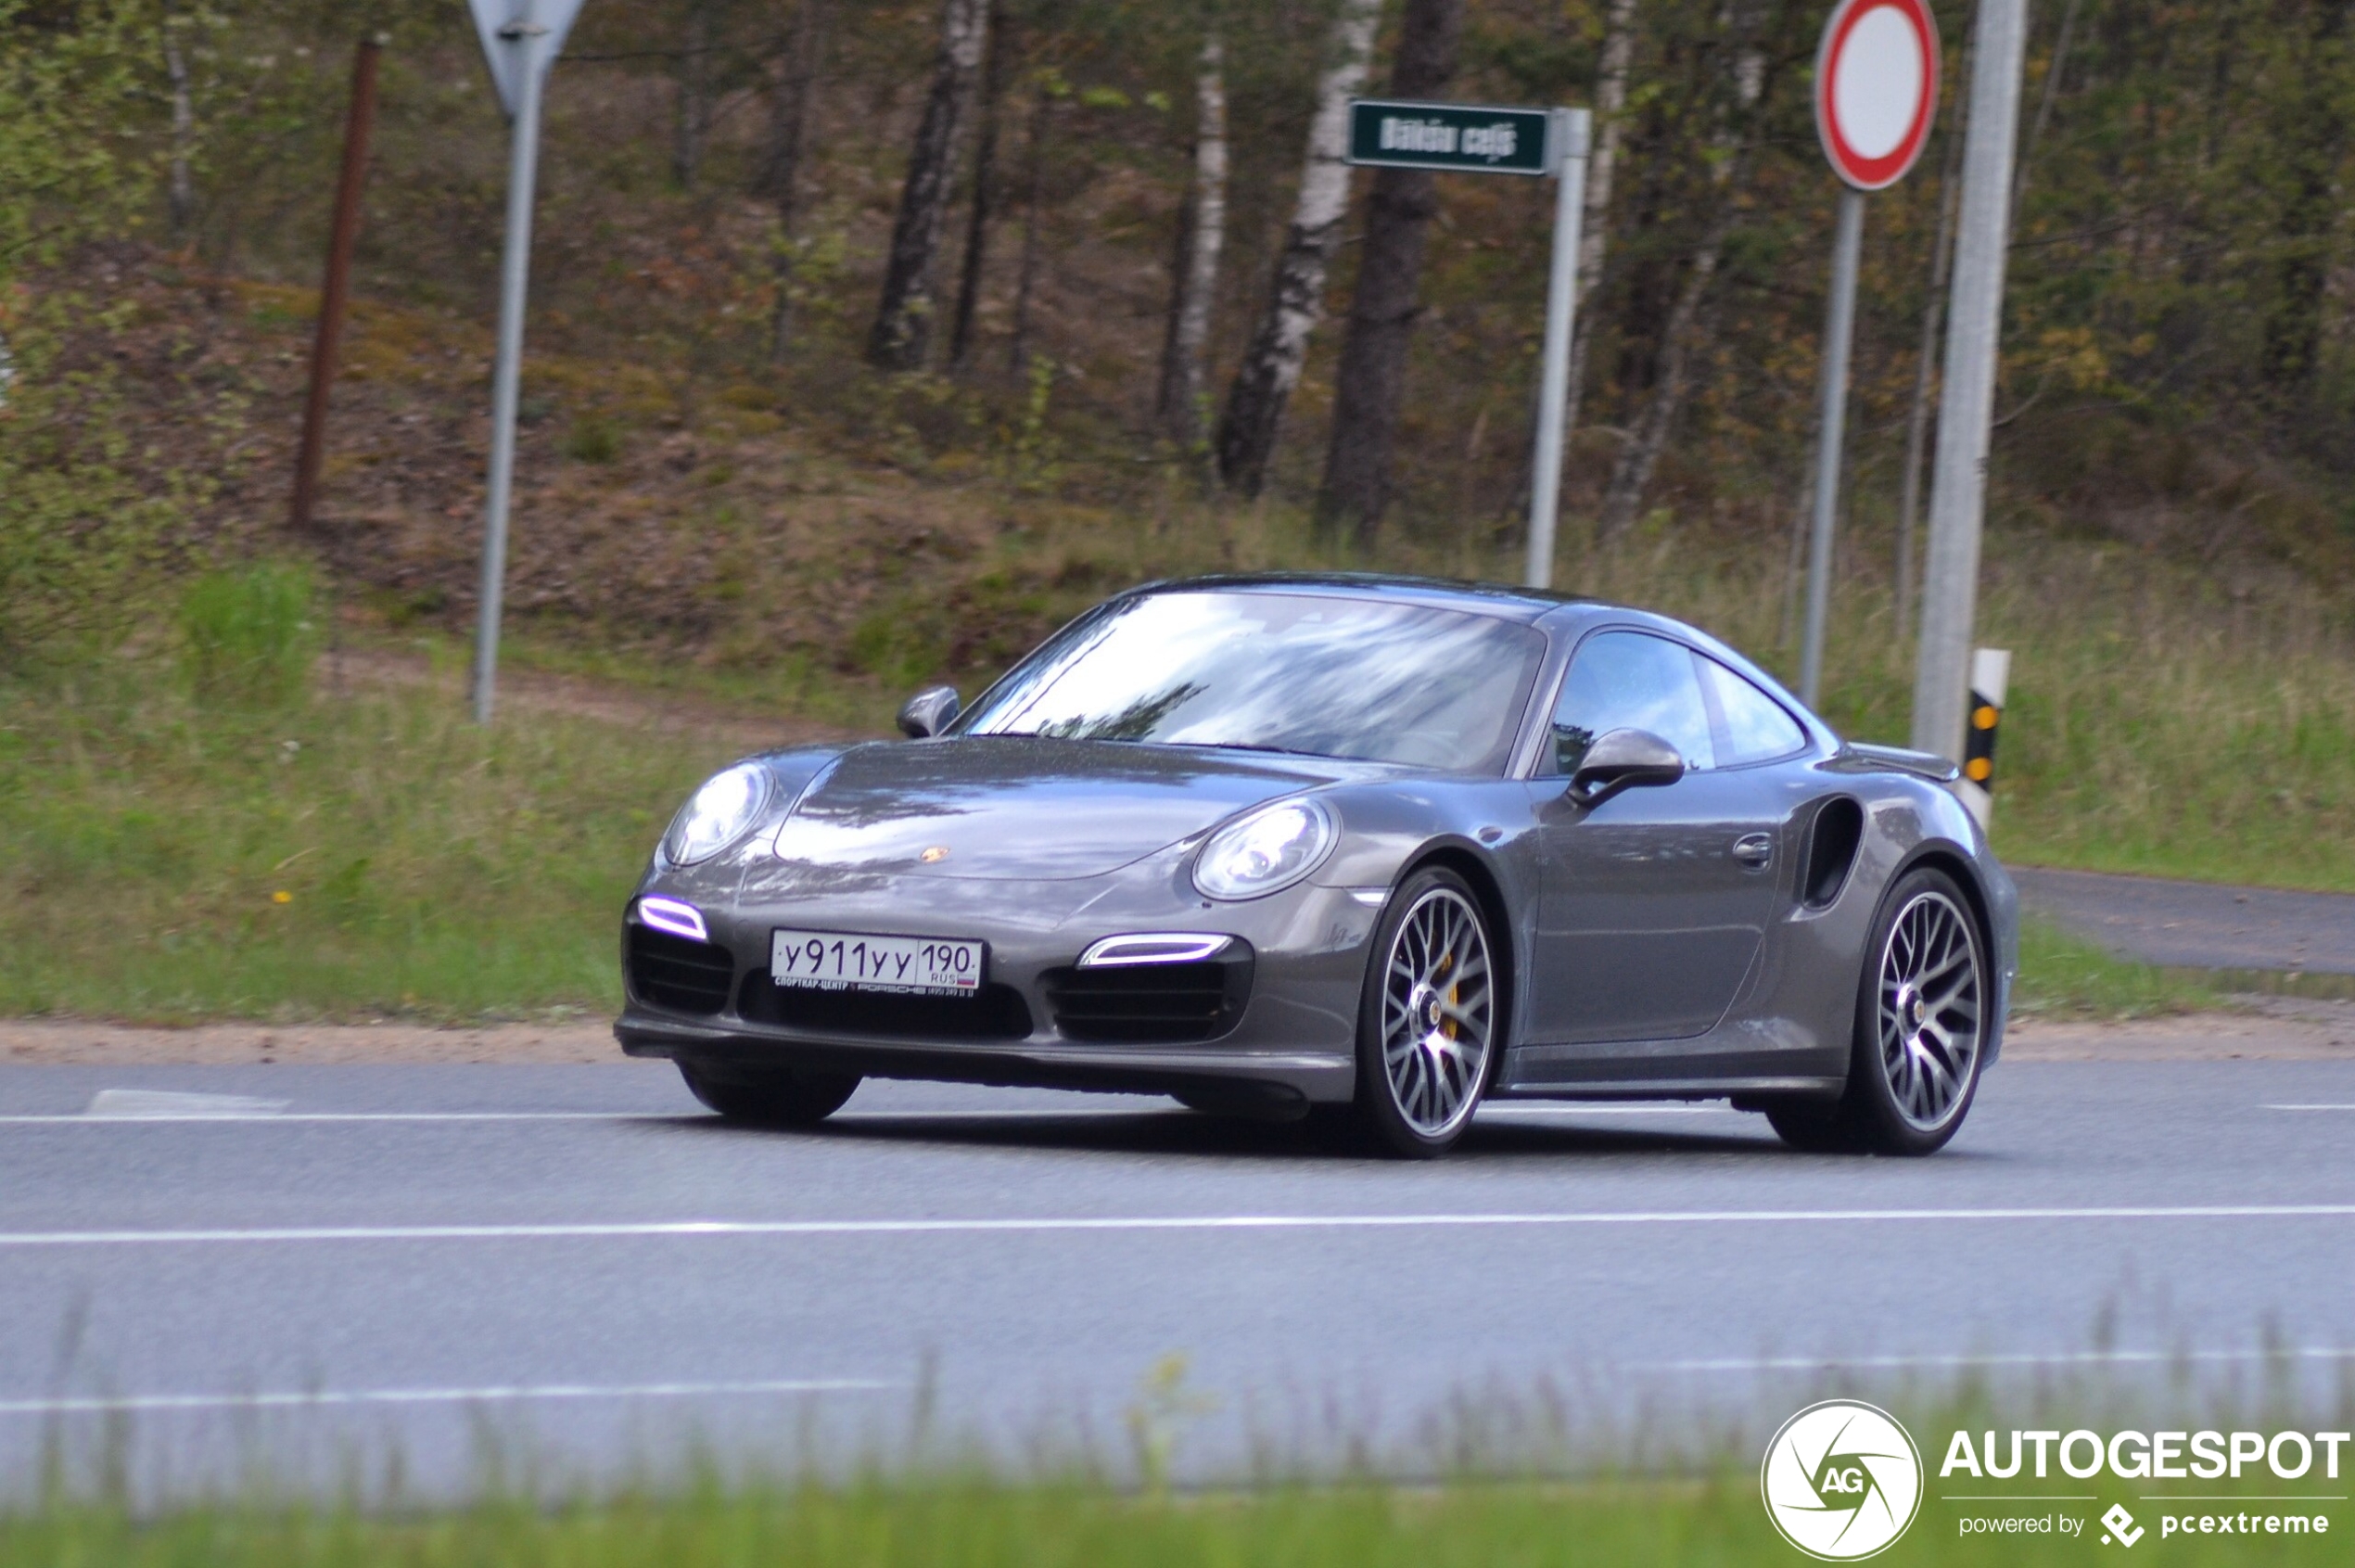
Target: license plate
[837, 960]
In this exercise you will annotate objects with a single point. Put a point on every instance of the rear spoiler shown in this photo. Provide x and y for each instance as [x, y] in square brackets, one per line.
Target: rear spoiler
[1857, 757]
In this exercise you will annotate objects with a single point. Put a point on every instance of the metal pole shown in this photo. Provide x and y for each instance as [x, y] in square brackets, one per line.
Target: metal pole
[1574, 125]
[338, 286]
[1958, 492]
[515, 269]
[1839, 331]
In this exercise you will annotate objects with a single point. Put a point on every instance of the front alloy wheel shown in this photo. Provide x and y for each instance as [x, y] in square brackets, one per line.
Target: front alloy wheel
[1427, 1027]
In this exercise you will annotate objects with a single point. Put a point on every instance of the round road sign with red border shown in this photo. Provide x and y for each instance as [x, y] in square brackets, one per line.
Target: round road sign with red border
[1876, 88]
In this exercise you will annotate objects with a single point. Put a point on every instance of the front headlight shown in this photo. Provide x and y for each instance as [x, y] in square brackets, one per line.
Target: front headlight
[1270, 850]
[722, 808]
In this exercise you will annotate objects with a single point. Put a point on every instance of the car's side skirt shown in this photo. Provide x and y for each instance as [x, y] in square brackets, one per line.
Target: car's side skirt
[1677, 1088]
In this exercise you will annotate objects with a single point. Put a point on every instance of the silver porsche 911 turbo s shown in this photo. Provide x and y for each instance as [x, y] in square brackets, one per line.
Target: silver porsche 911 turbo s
[1374, 847]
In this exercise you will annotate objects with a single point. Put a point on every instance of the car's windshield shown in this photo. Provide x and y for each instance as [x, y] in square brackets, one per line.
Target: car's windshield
[1329, 676]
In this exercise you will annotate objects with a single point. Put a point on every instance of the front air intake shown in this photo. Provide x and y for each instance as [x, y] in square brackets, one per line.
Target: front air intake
[1150, 1003]
[679, 974]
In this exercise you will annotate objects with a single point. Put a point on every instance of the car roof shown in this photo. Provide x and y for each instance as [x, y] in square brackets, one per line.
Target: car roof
[1438, 593]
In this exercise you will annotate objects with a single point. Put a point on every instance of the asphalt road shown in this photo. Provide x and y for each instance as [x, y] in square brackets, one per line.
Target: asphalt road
[2197, 925]
[365, 1261]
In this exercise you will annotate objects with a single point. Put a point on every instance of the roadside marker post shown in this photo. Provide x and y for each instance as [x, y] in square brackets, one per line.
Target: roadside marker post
[1991, 675]
[1470, 138]
[520, 40]
[1876, 97]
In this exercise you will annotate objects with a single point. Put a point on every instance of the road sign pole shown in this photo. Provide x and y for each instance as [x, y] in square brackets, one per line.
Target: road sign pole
[515, 270]
[1958, 485]
[1839, 331]
[1574, 126]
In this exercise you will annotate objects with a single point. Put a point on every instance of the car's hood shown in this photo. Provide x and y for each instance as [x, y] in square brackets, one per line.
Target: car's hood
[1017, 807]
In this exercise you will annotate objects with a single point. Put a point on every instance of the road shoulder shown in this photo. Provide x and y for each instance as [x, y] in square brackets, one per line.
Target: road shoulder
[2271, 1029]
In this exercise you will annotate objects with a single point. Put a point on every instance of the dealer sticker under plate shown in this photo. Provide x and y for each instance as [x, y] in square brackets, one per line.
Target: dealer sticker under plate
[836, 960]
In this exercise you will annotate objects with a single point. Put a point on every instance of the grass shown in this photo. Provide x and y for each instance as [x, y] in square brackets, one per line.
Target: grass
[1473, 1524]
[188, 832]
[2065, 976]
[172, 858]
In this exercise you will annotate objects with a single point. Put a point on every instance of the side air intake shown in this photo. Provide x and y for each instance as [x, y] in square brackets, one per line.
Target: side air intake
[1831, 851]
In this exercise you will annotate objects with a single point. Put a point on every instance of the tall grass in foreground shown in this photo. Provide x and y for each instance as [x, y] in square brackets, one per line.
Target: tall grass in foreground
[1467, 1524]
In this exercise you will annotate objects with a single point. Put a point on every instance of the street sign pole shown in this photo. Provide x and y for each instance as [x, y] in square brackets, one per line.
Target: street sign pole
[515, 272]
[1574, 127]
[1876, 95]
[1966, 410]
[1839, 331]
[1476, 139]
[520, 39]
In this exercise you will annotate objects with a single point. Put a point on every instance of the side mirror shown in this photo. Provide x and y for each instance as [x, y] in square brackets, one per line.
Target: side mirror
[1623, 760]
[929, 712]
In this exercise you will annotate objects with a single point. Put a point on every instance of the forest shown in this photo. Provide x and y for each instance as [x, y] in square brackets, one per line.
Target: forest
[870, 339]
[1000, 229]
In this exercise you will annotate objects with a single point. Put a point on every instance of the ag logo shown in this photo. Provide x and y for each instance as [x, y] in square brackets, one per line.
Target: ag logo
[1841, 1480]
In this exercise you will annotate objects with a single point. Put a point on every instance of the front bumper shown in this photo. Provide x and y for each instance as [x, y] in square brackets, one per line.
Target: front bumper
[1292, 1040]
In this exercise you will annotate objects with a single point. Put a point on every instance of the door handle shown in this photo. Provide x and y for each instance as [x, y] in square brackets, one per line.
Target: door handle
[1754, 849]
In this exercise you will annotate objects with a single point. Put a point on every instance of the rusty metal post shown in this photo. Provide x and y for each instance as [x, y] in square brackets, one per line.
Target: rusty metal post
[332, 297]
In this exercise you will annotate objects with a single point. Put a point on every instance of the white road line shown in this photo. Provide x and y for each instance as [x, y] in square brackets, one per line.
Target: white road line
[329, 1399]
[2311, 1107]
[2020, 1358]
[95, 1118]
[1046, 1225]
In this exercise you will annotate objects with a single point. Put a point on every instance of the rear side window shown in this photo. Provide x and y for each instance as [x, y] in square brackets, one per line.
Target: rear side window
[1630, 680]
[1751, 726]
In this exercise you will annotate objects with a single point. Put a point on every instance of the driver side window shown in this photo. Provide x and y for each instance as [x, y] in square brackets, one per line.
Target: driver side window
[1630, 680]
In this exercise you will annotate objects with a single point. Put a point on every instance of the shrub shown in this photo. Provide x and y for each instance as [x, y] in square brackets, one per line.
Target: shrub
[249, 636]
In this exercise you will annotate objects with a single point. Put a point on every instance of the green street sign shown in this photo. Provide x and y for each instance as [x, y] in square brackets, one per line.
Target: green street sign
[1465, 138]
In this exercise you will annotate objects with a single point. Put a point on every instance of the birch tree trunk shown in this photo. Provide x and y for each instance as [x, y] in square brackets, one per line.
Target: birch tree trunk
[1371, 380]
[1611, 119]
[1691, 321]
[693, 123]
[903, 319]
[180, 188]
[780, 168]
[984, 202]
[1264, 382]
[1203, 237]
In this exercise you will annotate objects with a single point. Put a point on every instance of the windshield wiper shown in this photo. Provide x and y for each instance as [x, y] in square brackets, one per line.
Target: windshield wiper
[1248, 745]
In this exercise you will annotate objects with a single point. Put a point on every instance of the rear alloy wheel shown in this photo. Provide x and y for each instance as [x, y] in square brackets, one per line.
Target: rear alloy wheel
[1427, 1025]
[768, 1096]
[1921, 1025]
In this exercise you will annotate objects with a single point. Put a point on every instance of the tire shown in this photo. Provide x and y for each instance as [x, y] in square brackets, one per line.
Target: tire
[1920, 1030]
[1429, 1022]
[768, 1096]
